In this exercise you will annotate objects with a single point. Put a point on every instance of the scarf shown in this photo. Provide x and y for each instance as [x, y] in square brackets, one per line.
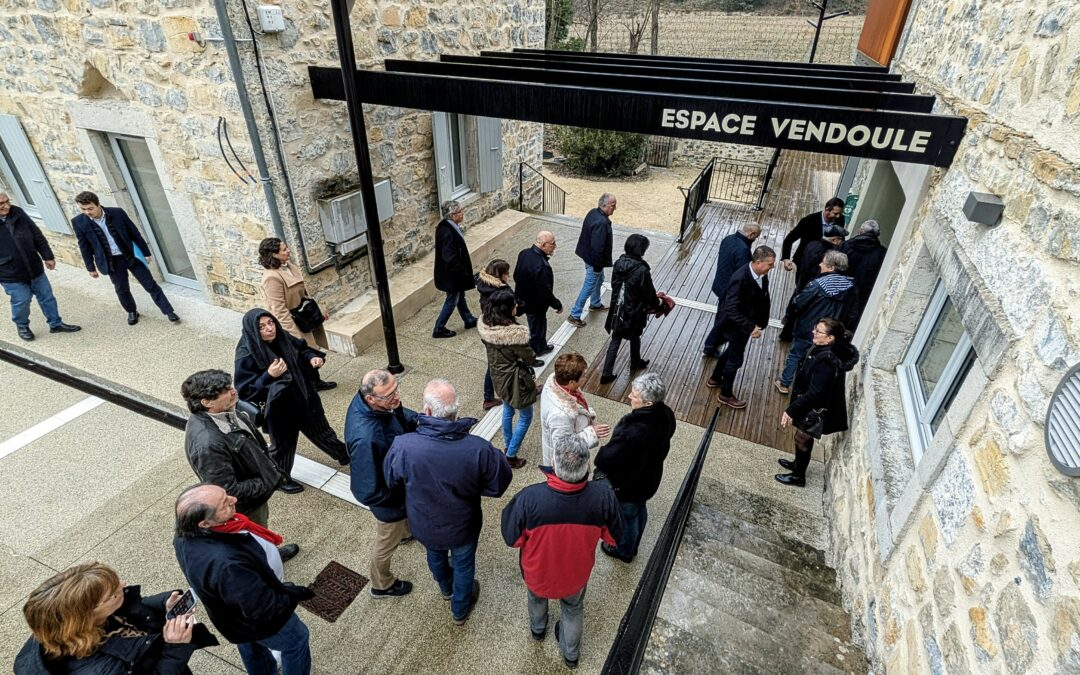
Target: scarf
[578, 396]
[264, 353]
[240, 523]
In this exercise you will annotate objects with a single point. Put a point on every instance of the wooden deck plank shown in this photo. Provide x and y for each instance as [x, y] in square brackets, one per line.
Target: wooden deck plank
[674, 343]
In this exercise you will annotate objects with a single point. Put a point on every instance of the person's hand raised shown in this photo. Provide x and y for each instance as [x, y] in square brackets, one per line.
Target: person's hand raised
[277, 368]
[602, 430]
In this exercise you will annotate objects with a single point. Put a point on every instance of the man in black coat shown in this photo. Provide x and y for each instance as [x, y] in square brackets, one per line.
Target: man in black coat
[865, 257]
[535, 283]
[734, 253]
[23, 250]
[111, 243]
[746, 313]
[225, 448]
[810, 228]
[453, 269]
[594, 247]
[234, 569]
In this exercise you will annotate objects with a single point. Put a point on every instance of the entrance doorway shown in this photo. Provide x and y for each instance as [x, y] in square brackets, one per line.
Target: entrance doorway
[140, 177]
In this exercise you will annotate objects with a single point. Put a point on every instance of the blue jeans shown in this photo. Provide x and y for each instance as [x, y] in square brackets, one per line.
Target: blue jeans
[454, 571]
[635, 517]
[38, 287]
[514, 434]
[453, 300]
[591, 287]
[798, 350]
[291, 641]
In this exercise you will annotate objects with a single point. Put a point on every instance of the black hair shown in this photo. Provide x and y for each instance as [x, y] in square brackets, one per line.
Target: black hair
[268, 248]
[499, 309]
[636, 245]
[834, 202]
[87, 197]
[204, 384]
[188, 519]
[835, 328]
[497, 268]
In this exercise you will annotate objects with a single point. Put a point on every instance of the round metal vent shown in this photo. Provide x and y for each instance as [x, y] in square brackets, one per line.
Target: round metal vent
[1063, 424]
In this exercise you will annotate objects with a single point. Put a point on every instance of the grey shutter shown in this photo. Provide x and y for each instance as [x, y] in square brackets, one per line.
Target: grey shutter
[443, 157]
[33, 176]
[489, 138]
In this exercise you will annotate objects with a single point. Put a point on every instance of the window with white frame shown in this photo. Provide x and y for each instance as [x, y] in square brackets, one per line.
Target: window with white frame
[468, 154]
[934, 367]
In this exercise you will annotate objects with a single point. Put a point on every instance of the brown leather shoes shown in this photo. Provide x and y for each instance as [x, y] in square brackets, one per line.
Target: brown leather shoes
[731, 401]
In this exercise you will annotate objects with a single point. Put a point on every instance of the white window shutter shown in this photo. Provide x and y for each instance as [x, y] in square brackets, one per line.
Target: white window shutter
[33, 176]
[489, 138]
[444, 175]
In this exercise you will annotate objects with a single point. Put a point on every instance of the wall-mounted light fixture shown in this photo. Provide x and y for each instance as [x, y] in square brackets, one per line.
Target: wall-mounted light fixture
[984, 208]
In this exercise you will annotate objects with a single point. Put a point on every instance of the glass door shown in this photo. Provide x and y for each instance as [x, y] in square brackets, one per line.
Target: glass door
[148, 194]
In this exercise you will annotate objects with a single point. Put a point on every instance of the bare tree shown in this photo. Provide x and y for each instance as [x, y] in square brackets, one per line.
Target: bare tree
[655, 12]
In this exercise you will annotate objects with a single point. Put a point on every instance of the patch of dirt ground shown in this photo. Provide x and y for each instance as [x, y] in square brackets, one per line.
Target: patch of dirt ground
[649, 201]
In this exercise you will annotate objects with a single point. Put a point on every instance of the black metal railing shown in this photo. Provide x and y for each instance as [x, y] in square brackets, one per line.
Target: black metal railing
[774, 162]
[547, 198]
[695, 196]
[658, 151]
[738, 181]
[635, 629]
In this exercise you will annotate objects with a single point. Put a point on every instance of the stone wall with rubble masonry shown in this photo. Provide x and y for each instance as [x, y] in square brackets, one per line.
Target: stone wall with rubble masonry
[134, 56]
[984, 575]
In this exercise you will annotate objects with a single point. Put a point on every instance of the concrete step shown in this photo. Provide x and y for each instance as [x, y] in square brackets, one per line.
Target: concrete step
[675, 650]
[795, 524]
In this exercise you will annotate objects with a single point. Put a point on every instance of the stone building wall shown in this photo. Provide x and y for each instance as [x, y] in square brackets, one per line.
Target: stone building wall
[969, 560]
[697, 153]
[103, 64]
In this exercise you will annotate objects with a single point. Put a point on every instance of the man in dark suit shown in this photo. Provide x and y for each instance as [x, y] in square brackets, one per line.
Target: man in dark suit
[865, 257]
[734, 253]
[24, 256]
[811, 228]
[594, 247]
[535, 284]
[453, 269]
[746, 313]
[111, 243]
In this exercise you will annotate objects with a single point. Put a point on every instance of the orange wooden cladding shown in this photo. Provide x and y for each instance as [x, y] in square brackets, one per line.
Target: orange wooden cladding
[882, 29]
[674, 343]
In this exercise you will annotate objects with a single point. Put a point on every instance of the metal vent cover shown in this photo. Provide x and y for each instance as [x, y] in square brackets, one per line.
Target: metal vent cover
[1063, 424]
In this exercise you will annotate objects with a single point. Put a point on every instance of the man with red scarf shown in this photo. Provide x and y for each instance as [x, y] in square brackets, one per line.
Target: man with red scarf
[235, 570]
[556, 525]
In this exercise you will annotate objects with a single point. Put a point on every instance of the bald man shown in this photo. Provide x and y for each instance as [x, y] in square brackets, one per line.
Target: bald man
[535, 284]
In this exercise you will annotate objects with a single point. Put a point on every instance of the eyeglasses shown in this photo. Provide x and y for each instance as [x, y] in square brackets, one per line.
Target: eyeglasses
[5, 202]
[820, 332]
[385, 397]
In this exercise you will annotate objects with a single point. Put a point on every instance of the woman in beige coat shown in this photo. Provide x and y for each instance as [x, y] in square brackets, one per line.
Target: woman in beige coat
[283, 289]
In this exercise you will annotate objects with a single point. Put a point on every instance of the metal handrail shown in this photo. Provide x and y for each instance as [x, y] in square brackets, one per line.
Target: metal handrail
[552, 197]
[694, 197]
[635, 629]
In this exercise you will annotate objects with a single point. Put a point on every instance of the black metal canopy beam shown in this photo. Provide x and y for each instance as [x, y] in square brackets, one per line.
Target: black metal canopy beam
[701, 59]
[728, 74]
[872, 100]
[906, 137]
[779, 68]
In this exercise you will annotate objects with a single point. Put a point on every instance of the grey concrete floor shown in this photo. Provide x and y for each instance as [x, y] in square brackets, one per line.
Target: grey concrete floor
[101, 487]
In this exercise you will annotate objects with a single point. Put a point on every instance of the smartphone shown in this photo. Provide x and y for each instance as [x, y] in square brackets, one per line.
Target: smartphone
[183, 606]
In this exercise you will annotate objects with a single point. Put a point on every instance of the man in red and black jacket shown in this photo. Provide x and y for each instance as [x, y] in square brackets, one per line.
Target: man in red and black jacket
[557, 525]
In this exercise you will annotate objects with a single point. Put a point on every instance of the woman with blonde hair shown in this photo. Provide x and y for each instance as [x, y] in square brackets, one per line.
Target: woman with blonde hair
[85, 620]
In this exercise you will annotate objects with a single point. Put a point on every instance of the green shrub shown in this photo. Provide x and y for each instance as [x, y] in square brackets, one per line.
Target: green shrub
[600, 152]
[574, 44]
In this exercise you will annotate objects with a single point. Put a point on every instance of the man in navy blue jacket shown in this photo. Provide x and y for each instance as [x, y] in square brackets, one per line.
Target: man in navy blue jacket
[734, 253]
[111, 243]
[375, 418]
[445, 471]
[594, 247]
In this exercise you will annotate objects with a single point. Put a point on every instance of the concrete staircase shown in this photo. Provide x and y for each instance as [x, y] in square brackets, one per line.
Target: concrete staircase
[747, 595]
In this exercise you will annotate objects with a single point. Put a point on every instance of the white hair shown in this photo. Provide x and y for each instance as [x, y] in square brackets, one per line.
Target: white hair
[650, 387]
[604, 199]
[441, 399]
[870, 227]
[570, 459]
[836, 260]
[450, 207]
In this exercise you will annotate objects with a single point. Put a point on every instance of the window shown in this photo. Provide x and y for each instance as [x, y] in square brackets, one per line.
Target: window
[468, 154]
[22, 173]
[459, 183]
[938, 359]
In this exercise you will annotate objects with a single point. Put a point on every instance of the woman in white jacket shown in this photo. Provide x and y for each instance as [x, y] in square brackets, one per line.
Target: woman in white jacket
[564, 410]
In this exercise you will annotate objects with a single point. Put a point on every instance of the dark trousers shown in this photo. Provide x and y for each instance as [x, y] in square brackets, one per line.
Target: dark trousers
[727, 366]
[715, 339]
[453, 300]
[489, 386]
[285, 432]
[635, 516]
[804, 448]
[118, 274]
[537, 331]
[613, 351]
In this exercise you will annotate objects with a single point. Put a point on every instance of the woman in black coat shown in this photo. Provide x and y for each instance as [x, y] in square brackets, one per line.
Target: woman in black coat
[818, 391]
[276, 371]
[85, 621]
[633, 298]
[495, 276]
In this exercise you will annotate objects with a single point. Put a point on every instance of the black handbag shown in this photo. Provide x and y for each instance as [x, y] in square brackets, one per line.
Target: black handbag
[814, 422]
[308, 315]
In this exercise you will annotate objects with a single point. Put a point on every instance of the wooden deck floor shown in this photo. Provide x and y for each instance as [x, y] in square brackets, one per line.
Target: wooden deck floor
[674, 344]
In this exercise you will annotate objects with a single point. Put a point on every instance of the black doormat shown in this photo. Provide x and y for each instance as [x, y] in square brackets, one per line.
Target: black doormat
[335, 589]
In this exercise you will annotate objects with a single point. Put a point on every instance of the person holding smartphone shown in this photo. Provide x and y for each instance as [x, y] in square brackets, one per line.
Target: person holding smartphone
[85, 619]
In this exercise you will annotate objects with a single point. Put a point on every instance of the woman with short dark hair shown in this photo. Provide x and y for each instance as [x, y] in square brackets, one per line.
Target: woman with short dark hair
[633, 298]
[495, 276]
[85, 620]
[818, 405]
[510, 360]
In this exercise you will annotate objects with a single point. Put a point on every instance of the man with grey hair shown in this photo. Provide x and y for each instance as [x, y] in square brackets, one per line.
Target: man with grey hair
[375, 418]
[633, 460]
[734, 252]
[833, 294]
[453, 269]
[594, 247]
[556, 524]
[445, 471]
[865, 257]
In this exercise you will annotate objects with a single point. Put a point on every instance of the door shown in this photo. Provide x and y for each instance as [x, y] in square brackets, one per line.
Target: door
[148, 194]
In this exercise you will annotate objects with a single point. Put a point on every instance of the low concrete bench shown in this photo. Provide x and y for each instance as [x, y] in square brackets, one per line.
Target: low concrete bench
[358, 325]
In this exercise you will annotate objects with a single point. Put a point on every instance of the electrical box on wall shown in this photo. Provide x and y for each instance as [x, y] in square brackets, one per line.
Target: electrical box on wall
[271, 19]
[343, 221]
